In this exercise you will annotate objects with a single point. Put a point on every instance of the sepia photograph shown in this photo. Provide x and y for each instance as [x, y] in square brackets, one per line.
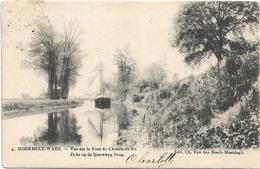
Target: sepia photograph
[130, 84]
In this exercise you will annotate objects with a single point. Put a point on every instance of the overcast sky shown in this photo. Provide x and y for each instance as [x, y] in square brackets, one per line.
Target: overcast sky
[143, 26]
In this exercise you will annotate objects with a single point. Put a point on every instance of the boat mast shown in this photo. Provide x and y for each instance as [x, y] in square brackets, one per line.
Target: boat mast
[101, 79]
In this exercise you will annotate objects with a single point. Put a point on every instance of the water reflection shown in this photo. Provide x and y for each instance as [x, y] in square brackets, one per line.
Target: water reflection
[83, 125]
[99, 124]
[122, 116]
[61, 129]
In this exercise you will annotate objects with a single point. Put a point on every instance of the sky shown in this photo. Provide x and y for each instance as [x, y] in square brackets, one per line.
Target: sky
[144, 27]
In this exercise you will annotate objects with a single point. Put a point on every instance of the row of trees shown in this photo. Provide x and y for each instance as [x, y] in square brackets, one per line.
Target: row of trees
[129, 78]
[56, 55]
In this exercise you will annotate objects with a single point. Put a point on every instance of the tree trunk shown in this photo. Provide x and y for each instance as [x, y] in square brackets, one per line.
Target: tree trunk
[50, 79]
[62, 76]
[63, 85]
[55, 77]
[65, 79]
[52, 82]
[219, 84]
[55, 87]
[49, 86]
[66, 84]
[219, 59]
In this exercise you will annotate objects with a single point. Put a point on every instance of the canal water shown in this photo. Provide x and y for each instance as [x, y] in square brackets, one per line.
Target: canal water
[83, 125]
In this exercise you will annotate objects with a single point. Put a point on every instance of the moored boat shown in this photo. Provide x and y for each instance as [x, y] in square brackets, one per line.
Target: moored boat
[102, 101]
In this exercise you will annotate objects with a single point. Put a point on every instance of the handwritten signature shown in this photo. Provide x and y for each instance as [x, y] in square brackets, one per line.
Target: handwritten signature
[164, 159]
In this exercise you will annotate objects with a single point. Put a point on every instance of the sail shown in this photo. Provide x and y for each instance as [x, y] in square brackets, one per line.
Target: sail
[96, 87]
[93, 87]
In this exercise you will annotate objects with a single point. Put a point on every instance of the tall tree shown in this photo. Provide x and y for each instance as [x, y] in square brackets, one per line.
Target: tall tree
[56, 55]
[206, 29]
[126, 68]
[44, 53]
[70, 61]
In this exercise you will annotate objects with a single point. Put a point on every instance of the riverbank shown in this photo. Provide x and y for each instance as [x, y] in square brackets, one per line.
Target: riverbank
[18, 107]
[135, 135]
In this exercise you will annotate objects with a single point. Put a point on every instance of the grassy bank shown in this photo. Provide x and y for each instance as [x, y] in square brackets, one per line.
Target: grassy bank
[15, 105]
[216, 109]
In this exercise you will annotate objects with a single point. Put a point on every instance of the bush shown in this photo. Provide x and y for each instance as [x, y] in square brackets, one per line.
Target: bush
[165, 93]
[138, 98]
[180, 115]
[241, 132]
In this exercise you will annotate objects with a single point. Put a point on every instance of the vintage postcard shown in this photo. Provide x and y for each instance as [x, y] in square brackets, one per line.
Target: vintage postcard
[130, 84]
